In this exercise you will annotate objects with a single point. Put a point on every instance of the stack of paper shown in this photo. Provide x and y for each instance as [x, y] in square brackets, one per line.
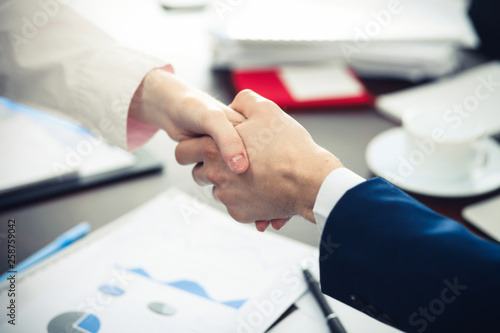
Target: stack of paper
[472, 93]
[404, 39]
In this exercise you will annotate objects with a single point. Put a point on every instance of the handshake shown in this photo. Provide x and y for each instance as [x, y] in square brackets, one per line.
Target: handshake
[263, 165]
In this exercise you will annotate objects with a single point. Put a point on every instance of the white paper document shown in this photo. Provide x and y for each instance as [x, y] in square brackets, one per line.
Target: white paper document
[348, 20]
[313, 82]
[37, 148]
[172, 265]
[27, 152]
[472, 93]
[484, 215]
[406, 39]
[309, 318]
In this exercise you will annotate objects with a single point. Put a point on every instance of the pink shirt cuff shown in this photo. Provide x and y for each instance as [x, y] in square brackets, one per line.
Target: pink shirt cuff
[138, 132]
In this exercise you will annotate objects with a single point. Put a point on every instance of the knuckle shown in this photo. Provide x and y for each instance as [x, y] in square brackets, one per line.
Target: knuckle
[223, 180]
[217, 177]
[198, 175]
[257, 101]
[244, 95]
[212, 176]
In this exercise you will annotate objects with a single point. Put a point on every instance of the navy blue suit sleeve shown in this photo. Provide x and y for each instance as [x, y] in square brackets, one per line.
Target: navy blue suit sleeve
[391, 257]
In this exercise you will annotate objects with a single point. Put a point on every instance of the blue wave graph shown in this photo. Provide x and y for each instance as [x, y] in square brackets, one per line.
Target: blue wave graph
[187, 286]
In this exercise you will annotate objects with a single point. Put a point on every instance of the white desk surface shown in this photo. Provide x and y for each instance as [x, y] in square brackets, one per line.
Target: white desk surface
[178, 38]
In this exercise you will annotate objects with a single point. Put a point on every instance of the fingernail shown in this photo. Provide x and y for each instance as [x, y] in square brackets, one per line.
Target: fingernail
[262, 226]
[279, 224]
[238, 163]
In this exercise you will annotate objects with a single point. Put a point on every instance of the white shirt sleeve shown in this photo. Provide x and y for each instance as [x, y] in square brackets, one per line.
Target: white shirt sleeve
[53, 59]
[335, 185]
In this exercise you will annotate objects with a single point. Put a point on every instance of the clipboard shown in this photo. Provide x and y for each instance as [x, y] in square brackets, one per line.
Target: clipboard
[46, 156]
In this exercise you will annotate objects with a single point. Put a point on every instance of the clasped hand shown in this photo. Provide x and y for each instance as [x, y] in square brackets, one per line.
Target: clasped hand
[286, 167]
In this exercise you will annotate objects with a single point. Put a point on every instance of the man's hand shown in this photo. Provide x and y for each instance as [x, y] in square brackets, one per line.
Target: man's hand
[286, 169]
[184, 112]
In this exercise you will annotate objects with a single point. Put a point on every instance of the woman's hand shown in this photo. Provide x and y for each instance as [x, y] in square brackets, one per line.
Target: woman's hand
[184, 112]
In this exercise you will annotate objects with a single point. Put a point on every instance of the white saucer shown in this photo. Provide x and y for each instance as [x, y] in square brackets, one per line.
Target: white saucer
[382, 158]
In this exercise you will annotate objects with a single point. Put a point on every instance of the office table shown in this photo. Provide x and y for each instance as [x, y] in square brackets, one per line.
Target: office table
[346, 132]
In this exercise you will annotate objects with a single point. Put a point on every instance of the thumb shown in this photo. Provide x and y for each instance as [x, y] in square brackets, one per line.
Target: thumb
[246, 101]
[228, 141]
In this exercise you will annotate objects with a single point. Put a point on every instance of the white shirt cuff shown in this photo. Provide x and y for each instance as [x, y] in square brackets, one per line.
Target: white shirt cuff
[335, 185]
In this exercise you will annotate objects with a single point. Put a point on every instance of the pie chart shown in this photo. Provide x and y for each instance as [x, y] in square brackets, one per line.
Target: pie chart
[74, 322]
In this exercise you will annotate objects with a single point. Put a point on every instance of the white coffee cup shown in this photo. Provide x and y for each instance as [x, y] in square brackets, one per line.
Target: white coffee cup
[443, 145]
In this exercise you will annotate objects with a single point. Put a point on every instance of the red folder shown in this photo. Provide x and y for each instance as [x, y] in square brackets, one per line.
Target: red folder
[267, 82]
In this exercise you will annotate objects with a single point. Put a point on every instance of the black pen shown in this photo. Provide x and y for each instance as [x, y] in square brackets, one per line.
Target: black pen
[332, 320]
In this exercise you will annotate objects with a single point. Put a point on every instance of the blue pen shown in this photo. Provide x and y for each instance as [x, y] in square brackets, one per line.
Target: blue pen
[53, 247]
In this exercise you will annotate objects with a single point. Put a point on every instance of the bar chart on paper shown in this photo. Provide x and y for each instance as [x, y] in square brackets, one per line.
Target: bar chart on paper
[162, 268]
